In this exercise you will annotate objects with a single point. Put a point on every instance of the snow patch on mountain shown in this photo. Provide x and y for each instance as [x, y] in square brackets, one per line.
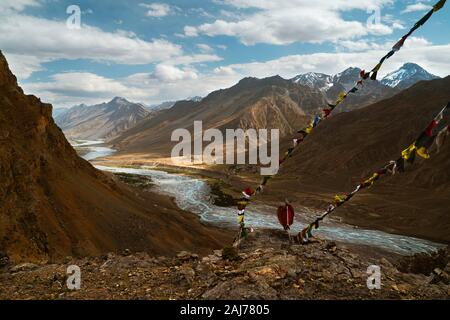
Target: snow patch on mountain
[408, 75]
[314, 80]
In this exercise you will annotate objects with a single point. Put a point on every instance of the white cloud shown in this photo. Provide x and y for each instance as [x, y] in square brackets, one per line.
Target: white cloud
[190, 31]
[169, 82]
[417, 7]
[195, 58]
[288, 21]
[164, 84]
[175, 77]
[433, 58]
[394, 21]
[228, 71]
[200, 12]
[17, 5]
[157, 10]
[18, 35]
[29, 42]
[203, 47]
[73, 83]
[23, 66]
[68, 89]
[357, 45]
[168, 73]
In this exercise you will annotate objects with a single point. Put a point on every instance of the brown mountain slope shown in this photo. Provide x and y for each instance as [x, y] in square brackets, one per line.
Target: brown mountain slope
[350, 146]
[54, 204]
[252, 103]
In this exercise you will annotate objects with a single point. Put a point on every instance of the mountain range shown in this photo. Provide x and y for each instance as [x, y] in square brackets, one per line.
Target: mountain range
[256, 103]
[252, 103]
[162, 106]
[109, 120]
[403, 78]
[102, 121]
[373, 91]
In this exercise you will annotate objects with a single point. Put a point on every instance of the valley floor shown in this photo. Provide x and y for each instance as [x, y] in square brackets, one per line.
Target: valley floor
[389, 208]
[267, 266]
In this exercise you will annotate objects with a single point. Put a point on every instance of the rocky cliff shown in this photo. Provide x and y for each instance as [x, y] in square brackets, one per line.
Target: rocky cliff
[54, 204]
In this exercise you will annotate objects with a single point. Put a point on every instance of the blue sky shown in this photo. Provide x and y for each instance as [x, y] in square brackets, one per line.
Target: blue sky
[154, 51]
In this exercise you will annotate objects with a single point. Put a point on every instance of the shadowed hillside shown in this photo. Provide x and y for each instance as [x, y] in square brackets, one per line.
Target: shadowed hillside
[54, 204]
[252, 103]
[349, 146]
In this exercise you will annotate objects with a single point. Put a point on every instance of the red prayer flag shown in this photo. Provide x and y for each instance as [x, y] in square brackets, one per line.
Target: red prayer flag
[286, 216]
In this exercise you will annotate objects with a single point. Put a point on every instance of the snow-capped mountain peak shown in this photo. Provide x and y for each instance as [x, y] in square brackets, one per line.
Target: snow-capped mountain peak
[408, 75]
[119, 100]
[314, 80]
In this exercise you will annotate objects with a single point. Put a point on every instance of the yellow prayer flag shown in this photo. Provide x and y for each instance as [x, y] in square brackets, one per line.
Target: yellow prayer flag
[377, 67]
[406, 154]
[309, 129]
[341, 98]
[339, 199]
[423, 152]
[371, 179]
[438, 6]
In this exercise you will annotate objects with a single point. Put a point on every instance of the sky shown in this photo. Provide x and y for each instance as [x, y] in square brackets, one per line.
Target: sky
[151, 52]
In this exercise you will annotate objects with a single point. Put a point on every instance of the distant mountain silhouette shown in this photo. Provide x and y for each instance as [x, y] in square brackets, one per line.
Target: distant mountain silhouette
[102, 121]
[332, 85]
[252, 103]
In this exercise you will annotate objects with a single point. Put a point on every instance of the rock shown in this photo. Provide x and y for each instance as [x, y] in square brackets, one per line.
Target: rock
[440, 276]
[331, 246]
[447, 268]
[111, 256]
[291, 273]
[437, 271]
[218, 253]
[386, 263]
[24, 267]
[240, 288]
[68, 259]
[230, 253]
[4, 261]
[126, 252]
[213, 258]
[401, 288]
[188, 273]
[184, 255]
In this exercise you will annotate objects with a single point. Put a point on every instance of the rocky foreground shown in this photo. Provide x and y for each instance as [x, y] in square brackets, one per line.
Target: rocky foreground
[266, 267]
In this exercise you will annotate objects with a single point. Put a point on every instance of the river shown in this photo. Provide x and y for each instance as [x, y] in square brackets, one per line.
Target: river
[93, 149]
[194, 195]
